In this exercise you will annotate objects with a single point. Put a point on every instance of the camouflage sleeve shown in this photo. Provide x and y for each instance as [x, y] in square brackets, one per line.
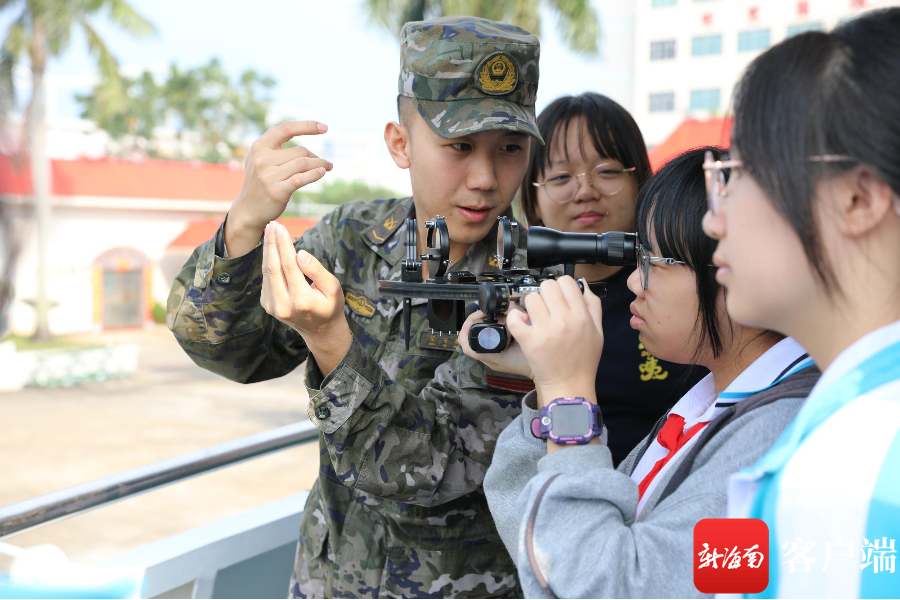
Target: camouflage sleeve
[215, 313]
[425, 448]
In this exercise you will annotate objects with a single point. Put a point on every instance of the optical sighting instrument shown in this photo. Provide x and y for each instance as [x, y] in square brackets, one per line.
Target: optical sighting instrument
[449, 291]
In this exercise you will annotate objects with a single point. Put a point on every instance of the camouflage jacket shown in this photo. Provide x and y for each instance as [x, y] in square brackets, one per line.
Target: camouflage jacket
[407, 436]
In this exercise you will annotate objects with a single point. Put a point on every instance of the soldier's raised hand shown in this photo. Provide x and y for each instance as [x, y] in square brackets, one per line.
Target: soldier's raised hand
[272, 174]
[315, 310]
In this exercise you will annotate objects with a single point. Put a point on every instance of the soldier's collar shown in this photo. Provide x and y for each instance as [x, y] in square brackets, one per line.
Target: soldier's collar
[388, 236]
[381, 231]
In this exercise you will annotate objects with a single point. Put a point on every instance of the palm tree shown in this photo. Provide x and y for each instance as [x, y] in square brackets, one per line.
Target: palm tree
[9, 250]
[578, 21]
[43, 30]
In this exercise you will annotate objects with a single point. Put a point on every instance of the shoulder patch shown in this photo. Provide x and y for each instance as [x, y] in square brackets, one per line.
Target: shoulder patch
[437, 341]
[360, 304]
[497, 75]
[383, 229]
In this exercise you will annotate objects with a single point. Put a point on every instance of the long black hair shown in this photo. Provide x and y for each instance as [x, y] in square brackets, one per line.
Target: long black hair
[671, 205]
[612, 130]
[820, 94]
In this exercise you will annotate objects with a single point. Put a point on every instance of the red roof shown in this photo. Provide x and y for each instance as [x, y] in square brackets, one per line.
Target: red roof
[120, 178]
[691, 134]
[201, 230]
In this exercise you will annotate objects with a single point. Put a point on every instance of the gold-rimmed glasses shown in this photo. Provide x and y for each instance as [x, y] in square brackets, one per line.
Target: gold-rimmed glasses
[715, 173]
[563, 186]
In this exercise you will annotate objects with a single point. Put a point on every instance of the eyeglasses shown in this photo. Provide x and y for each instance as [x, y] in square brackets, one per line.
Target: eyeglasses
[645, 259]
[562, 186]
[717, 171]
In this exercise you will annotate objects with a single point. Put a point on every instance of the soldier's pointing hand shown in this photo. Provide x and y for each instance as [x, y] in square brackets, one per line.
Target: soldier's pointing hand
[272, 174]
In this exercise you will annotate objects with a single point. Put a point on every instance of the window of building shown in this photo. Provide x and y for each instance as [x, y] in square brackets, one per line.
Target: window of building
[705, 99]
[706, 45]
[662, 50]
[664, 102]
[661, 3]
[753, 40]
[793, 30]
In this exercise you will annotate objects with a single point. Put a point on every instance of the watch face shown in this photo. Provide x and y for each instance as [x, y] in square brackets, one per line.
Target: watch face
[570, 420]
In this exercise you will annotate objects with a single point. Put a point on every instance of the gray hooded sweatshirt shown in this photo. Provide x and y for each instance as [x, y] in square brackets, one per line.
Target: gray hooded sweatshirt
[587, 542]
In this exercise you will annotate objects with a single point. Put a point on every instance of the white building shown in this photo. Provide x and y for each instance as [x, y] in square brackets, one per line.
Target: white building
[120, 231]
[689, 54]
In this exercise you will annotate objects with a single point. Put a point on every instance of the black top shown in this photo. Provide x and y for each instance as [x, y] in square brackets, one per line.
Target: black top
[633, 388]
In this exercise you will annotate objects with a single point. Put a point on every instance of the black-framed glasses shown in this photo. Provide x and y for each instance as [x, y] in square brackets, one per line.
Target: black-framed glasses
[563, 186]
[716, 173]
[644, 261]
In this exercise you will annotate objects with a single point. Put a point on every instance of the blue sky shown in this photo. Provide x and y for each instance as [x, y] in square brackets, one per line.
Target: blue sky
[330, 62]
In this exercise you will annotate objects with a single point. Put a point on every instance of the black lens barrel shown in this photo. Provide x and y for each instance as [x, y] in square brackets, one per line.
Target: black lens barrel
[549, 247]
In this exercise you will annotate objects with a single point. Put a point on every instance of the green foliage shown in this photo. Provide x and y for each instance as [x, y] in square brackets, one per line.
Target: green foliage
[159, 313]
[43, 29]
[340, 192]
[578, 22]
[205, 111]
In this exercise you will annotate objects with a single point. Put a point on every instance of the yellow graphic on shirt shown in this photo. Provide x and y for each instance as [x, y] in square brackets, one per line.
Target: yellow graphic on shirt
[651, 369]
[360, 304]
[492, 261]
[438, 341]
[380, 232]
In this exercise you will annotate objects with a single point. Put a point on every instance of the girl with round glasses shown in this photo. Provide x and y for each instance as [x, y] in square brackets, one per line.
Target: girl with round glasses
[808, 230]
[586, 179]
[576, 525]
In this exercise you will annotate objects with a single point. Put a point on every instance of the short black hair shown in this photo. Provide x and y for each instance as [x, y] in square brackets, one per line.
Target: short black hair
[613, 132]
[672, 205]
[406, 107]
[817, 94]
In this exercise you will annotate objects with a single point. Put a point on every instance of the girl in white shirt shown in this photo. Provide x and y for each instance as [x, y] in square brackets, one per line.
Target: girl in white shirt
[809, 245]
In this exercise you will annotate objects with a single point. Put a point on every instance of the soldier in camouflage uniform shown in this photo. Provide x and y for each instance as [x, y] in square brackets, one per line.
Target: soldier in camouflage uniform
[407, 435]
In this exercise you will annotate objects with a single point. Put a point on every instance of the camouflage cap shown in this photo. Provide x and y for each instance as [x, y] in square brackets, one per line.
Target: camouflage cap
[469, 75]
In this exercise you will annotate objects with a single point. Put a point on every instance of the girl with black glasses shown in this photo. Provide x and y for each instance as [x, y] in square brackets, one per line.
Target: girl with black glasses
[576, 525]
[586, 179]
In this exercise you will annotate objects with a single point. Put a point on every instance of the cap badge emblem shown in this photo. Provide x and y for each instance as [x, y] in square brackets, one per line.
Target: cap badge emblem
[497, 74]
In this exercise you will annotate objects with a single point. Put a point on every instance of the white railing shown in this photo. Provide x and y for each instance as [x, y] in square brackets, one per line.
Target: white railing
[81, 498]
[249, 555]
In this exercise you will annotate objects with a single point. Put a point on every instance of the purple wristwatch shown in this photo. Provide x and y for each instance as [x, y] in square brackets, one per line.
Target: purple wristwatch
[568, 421]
